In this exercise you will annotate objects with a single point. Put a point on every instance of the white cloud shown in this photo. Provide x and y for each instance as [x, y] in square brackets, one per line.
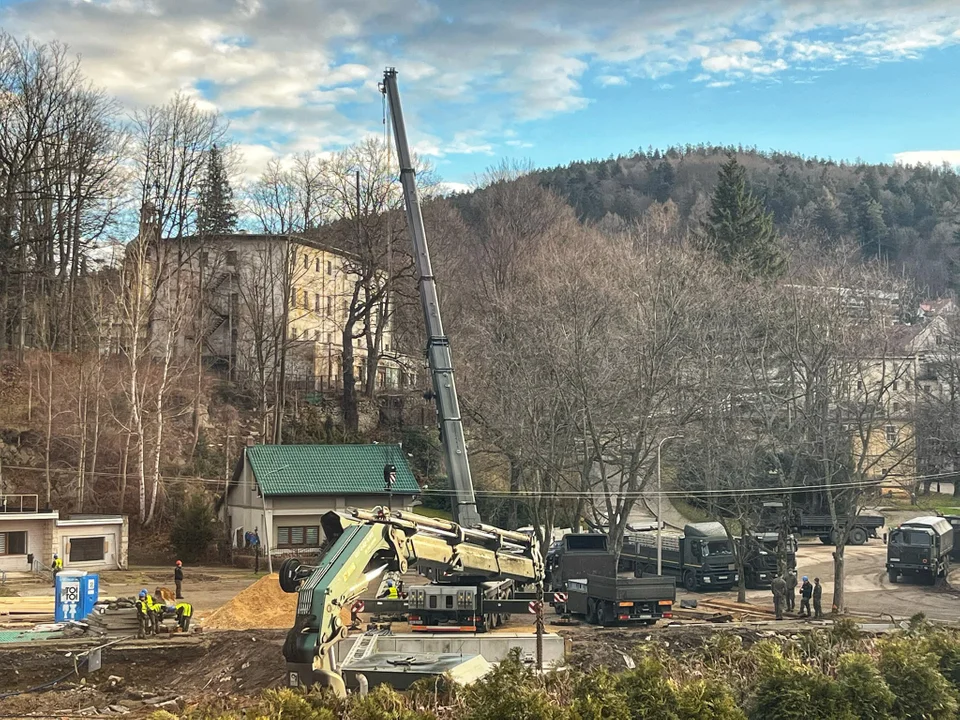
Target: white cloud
[448, 188]
[304, 74]
[928, 157]
[611, 80]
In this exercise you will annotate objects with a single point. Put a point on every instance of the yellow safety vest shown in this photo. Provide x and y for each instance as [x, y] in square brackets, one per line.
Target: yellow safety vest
[58, 564]
[186, 607]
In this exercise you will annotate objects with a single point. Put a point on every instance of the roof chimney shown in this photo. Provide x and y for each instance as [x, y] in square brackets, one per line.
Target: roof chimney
[250, 441]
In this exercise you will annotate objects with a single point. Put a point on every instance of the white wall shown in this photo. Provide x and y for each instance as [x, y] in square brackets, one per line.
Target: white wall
[38, 532]
[113, 551]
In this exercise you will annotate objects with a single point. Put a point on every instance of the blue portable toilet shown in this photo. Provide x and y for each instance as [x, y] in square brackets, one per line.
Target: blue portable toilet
[68, 601]
[90, 593]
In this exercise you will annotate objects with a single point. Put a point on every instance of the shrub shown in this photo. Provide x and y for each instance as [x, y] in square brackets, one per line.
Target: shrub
[382, 703]
[510, 691]
[596, 696]
[863, 688]
[650, 694]
[922, 693]
[788, 690]
[707, 700]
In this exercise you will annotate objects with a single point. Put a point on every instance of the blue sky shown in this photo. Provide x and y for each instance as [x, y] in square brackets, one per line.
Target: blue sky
[550, 81]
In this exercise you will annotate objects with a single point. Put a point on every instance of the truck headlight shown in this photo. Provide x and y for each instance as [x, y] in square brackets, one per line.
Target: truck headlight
[706, 580]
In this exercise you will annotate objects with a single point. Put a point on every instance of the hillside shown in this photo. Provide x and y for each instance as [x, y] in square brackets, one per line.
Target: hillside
[908, 216]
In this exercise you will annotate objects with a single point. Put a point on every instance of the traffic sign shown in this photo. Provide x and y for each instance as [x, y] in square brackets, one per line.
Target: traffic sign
[358, 607]
[559, 597]
[534, 606]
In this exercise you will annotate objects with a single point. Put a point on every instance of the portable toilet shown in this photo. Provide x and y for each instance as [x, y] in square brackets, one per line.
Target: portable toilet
[90, 593]
[68, 602]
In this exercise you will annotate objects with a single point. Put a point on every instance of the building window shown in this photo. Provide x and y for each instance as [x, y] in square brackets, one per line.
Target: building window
[891, 435]
[896, 407]
[13, 543]
[293, 333]
[306, 300]
[895, 384]
[329, 338]
[232, 257]
[298, 536]
[316, 302]
[306, 262]
[859, 384]
[329, 306]
[316, 267]
[329, 268]
[86, 549]
[316, 335]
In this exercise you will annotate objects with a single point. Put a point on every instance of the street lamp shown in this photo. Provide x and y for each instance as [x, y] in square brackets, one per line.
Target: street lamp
[660, 505]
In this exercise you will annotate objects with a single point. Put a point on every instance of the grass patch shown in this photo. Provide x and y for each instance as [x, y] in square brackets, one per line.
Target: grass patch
[946, 504]
[691, 512]
[433, 512]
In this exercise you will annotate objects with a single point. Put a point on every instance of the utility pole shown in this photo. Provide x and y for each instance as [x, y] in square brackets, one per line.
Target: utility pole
[660, 505]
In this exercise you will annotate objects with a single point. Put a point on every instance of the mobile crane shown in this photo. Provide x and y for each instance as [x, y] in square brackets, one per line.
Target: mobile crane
[472, 562]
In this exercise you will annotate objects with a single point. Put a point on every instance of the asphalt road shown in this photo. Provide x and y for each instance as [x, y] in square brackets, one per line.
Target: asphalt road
[868, 592]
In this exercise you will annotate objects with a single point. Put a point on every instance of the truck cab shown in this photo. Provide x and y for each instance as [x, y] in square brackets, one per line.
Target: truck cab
[760, 557]
[921, 548]
[701, 556]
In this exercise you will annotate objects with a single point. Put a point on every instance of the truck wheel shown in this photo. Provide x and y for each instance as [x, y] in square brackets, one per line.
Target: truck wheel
[602, 613]
[858, 536]
[690, 580]
[892, 576]
[932, 579]
[825, 539]
[592, 611]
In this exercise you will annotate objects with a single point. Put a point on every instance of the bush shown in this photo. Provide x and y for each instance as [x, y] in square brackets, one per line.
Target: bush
[788, 690]
[596, 696]
[194, 529]
[291, 705]
[922, 693]
[651, 695]
[382, 703]
[707, 700]
[863, 688]
[510, 691]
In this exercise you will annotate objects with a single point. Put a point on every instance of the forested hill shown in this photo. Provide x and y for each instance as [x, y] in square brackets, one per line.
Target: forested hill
[909, 216]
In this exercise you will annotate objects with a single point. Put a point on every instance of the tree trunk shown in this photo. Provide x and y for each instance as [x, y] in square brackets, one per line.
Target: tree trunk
[351, 415]
[838, 575]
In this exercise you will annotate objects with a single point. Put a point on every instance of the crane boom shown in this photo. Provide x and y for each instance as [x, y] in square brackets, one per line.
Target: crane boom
[438, 344]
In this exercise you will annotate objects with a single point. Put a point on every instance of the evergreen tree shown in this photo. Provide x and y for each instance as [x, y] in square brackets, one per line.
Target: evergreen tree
[216, 214]
[738, 228]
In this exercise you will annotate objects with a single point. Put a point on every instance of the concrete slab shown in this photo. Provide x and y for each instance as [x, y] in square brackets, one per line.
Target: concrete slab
[492, 647]
[400, 670]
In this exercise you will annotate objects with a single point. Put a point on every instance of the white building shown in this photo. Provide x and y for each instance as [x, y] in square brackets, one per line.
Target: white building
[29, 536]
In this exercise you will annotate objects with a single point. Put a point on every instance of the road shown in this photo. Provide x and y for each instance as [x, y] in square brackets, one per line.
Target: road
[868, 592]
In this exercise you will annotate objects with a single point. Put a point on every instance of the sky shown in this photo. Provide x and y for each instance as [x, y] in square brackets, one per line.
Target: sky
[546, 81]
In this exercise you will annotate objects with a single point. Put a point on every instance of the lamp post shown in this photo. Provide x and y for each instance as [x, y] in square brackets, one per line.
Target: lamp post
[660, 505]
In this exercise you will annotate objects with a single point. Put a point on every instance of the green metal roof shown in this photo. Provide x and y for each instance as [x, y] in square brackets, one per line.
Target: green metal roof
[329, 469]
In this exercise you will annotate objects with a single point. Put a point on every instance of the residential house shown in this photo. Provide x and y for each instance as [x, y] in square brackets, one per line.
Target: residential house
[31, 534]
[281, 491]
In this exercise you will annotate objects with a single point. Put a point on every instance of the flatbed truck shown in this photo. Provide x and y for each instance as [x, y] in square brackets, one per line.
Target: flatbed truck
[700, 557]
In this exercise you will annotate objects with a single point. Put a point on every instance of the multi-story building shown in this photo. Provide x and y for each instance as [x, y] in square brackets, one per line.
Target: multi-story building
[245, 300]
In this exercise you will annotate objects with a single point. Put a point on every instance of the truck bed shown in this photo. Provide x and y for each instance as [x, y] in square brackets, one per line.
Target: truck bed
[623, 589]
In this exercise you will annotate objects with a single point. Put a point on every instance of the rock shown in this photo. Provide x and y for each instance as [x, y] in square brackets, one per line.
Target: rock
[87, 710]
[169, 705]
[245, 665]
[118, 709]
[115, 679]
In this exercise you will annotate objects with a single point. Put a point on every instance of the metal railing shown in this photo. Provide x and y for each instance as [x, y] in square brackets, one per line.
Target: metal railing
[20, 503]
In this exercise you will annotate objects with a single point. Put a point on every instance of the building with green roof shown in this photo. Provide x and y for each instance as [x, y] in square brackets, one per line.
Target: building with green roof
[281, 491]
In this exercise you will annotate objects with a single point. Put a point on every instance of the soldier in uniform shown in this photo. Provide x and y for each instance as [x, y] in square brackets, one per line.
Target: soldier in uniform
[779, 588]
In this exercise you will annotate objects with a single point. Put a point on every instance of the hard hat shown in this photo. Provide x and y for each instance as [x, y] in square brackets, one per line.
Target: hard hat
[805, 578]
[391, 583]
[54, 556]
[143, 593]
[179, 563]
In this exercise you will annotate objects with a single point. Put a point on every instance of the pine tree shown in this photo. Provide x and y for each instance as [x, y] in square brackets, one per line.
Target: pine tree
[738, 228]
[216, 214]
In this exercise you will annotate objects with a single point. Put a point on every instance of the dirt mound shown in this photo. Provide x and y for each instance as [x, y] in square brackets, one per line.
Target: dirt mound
[263, 605]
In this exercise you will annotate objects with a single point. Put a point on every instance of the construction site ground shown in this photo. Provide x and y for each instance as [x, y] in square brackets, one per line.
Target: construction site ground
[175, 671]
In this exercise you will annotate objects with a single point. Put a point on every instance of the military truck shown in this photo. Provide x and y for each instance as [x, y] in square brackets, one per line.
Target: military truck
[581, 579]
[803, 523]
[920, 548]
[760, 557]
[954, 521]
[700, 556]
